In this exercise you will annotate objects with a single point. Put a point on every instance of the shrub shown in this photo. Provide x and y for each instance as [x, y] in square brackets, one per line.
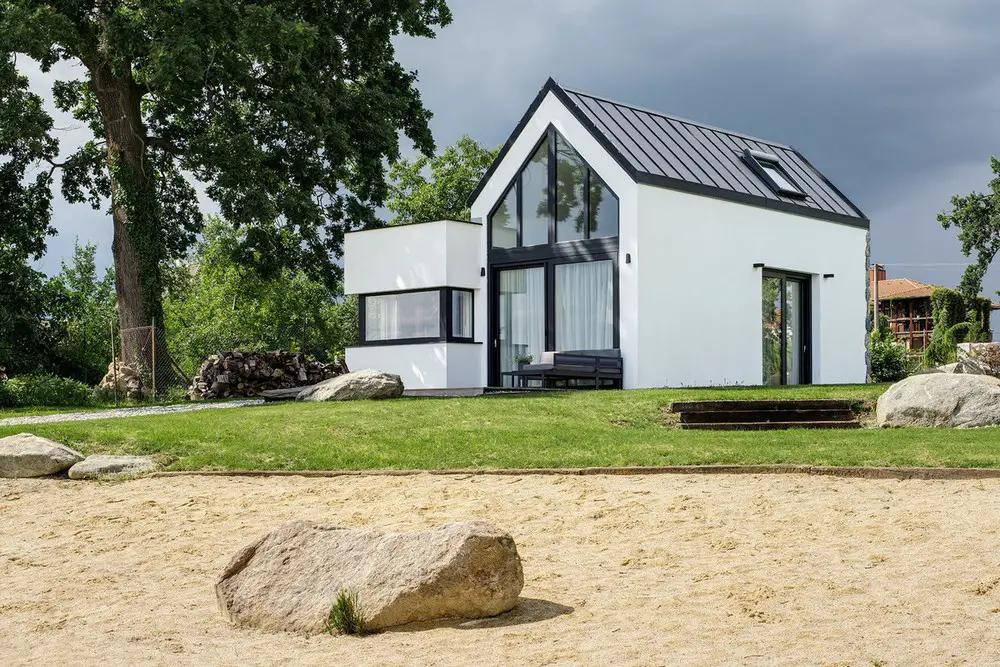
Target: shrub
[345, 615]
[889, 358]
[44, 390]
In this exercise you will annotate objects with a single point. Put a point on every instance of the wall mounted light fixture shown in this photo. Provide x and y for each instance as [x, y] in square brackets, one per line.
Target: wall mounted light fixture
[482, 272]
[827, 275]
[628, 258]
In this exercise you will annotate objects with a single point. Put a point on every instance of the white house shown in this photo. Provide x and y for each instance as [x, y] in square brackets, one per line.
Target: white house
[701, 256]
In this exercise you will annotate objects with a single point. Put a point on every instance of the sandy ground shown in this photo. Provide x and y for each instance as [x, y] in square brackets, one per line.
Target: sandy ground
[641, 570]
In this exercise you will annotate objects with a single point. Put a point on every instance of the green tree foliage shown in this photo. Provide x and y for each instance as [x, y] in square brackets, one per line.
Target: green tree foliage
[977, 217]
[84, 311]
[214, 304]
[288, 111]
[438, 187]
[889, 358]
[58, 326]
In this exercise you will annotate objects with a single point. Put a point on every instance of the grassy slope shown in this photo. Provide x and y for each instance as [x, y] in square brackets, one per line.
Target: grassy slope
[565, 429]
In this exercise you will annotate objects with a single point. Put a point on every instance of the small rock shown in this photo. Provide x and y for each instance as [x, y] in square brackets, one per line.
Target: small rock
[101, 465]
[289, 579]
[361, 385]
[28, 455]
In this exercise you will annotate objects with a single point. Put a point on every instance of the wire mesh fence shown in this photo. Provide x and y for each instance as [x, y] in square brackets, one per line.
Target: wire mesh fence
[142, 367]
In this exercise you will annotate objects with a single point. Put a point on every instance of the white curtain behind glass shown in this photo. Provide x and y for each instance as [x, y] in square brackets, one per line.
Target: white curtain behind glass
[401, 316]
[522, 316]
[585, 306]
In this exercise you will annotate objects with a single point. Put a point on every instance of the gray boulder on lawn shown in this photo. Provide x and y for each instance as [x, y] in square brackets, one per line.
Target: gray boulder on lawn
[941, 399]
[27, 455]
[290, 579]
[358, 386]
[101, 466]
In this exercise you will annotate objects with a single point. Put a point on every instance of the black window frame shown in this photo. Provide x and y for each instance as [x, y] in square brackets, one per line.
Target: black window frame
[446, 318]
[549, 139]
[806, 344]
[754, 160]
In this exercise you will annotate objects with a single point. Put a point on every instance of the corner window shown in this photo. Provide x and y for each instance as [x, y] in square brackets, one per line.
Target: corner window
[461, 314]
[402, 316]
[419, 316]
[554, 180]
[768, 167]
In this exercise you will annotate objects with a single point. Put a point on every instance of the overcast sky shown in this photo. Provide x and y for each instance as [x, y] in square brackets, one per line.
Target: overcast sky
[896, 101]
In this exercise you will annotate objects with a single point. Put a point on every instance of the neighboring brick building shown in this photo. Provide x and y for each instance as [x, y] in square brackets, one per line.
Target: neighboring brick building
[907, 304]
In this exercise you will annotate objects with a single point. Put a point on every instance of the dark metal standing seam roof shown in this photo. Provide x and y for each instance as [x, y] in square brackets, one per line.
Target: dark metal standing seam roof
[679, 154]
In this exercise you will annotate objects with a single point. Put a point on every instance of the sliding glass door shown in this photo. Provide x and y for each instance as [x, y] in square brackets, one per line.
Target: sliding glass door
[564, 305]
[521, 322]
[785, 329]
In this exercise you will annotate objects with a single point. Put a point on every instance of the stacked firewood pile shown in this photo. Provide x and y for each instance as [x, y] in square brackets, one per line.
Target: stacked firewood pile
[249, 373]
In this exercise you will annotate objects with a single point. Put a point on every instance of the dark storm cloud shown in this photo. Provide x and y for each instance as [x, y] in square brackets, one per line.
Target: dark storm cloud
[895, 101]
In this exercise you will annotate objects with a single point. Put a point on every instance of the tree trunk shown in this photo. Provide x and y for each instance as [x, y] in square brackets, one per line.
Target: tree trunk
[137, 245]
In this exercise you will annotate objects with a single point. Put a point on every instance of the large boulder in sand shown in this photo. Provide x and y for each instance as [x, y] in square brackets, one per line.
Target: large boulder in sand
[101, 466]
[27, 455]
[941, 399]
[290, 579]
[358, 386]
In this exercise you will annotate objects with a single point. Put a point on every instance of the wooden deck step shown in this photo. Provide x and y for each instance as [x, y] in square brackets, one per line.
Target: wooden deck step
[717, 406]
[768, 415]
[744, 416]
[768, 426]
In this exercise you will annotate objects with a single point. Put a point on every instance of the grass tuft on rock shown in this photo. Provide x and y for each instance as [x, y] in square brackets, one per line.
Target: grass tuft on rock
[346, 617]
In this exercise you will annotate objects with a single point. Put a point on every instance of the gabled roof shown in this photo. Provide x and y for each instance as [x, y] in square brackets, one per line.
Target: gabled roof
[670, 152]
[903, 288]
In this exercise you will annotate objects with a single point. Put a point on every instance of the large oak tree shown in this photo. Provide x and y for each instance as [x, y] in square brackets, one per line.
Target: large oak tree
[287, 110]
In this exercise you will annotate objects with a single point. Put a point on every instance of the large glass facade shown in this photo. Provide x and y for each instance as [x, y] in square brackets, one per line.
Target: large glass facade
[522, 318]
[603, 209]
[585, 208]
[503, 222]
[571, 188]
[535, 199]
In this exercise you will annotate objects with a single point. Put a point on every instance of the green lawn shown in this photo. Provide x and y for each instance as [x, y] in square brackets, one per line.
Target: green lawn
[579, 429]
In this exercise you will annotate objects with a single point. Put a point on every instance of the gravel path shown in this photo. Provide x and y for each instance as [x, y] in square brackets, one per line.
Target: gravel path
[126, 412]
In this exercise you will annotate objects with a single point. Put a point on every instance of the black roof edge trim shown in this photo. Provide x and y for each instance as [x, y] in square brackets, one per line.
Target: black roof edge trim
[752, 200]
[829, 184]
[537, 102]
[601, 137]
[411, 224]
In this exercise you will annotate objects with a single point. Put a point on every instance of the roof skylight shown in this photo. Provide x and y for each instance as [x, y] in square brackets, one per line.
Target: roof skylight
[768, 168]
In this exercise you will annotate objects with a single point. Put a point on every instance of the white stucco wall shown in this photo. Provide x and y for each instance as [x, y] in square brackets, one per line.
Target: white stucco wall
[552, 112]
[425, 366]
[699, 299]
[434, 254]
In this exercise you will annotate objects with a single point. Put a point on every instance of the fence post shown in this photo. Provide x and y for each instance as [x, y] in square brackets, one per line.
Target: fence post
[153, 334]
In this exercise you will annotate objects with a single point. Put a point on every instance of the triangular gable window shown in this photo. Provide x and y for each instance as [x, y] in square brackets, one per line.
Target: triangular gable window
[555, 198]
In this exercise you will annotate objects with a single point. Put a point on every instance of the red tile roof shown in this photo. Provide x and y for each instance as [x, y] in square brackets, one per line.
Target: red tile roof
[903, 288]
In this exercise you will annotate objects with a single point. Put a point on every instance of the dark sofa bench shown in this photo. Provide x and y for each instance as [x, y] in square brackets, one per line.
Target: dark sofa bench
[599, 368]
